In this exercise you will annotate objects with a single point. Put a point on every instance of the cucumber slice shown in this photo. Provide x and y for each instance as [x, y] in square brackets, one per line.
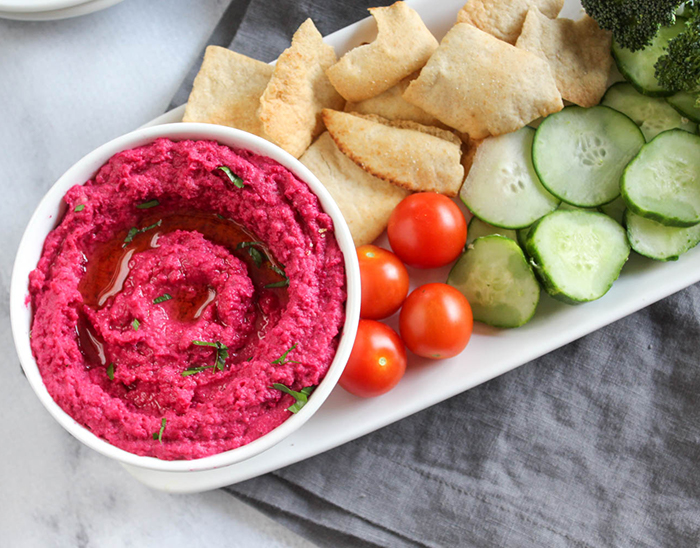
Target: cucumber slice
[684, 103]
[478, 228]
[580, 153]
[662, 183]
[577, 254]
[494, 276]
[522, 237]
[638, 66]
[502, 188]
[657, 241]
[615, 209]
[570, 207]
[651, 114]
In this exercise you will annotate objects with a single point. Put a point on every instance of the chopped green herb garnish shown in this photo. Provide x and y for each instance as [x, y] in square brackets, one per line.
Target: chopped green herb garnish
[221, 355]
[193, 370]
[130, 236]
[110, 371]
[301, 397]
[277, 270]
[283, 358]
[243, 245]
[135, 324]
[258, 259]
[164, 297]
[256, 256]
[235, 179]
[254, 253]
[148, 205]
[159, 435]
[283, 283]
[204, 343]
[134, 231]
[152, 226]
[79, 208]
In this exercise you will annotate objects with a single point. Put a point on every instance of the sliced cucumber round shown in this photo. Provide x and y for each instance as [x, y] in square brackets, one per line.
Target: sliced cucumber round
[662, 183]
[522, 237]
[577, 254]
[571, 207]
[657, 241]
[496, 279]
[502, 188]
[638, 66]
[684, 103]
[652, 115]
[580, 153]
[615, 209]
[478, 228]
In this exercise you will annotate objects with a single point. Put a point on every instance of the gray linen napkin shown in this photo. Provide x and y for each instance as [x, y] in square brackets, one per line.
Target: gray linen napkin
[595, 444]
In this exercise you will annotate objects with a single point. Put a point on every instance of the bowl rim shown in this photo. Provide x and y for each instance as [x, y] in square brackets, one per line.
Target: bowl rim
[31, 248]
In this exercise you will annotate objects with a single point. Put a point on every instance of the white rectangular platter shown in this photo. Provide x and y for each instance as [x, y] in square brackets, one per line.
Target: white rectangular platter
[491, 352]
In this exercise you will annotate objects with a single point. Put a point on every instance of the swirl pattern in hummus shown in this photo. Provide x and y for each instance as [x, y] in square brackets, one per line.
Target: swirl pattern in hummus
[77, 335]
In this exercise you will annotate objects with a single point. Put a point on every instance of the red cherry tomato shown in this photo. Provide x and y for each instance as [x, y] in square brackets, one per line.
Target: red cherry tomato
[377, 361]
[384, 281]
[427, 230]
[436, 321]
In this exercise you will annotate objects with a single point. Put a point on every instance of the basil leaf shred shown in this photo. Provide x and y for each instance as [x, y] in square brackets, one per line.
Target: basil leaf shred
[148, 205]
[235, 179]
[159, 435]
[301, 397]
[164, 297]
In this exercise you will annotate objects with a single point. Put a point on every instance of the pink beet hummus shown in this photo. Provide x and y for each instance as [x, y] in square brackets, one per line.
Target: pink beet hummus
[174, 294]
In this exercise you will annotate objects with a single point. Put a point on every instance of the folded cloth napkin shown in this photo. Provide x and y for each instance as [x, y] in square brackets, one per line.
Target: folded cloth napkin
[595, 444]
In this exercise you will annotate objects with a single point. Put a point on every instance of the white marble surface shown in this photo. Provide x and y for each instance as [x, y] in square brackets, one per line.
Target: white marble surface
[65, 88]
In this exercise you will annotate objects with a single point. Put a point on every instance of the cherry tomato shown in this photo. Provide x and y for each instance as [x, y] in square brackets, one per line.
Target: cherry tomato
[436, 321]
[427, 230]
[384, 281]
[377, 361]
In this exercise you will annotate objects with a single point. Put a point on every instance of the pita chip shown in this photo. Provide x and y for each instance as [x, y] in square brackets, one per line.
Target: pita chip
[403, 45]
[578, 53]
[392, 106]
[407, 154]
[365, 201]
[483, 86]
[227, 91]
[504, 18]
[290, 107]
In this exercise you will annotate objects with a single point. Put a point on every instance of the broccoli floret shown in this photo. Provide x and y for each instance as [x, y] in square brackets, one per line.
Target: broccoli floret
[679, 68]
[633, 23]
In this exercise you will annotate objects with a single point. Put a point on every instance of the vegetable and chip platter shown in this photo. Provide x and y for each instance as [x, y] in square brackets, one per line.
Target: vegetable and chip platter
[491, 352]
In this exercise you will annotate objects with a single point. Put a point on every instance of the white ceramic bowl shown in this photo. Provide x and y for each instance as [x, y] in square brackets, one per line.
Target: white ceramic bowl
[51, 209]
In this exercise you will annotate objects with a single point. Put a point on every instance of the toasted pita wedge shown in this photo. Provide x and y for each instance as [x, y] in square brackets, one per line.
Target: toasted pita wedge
[577, 51]
[227, 91]
[290, 107]
[483, 86]
[407, 154]
[403, 46]
[365, 201]
[504, 18]
[392, 106]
